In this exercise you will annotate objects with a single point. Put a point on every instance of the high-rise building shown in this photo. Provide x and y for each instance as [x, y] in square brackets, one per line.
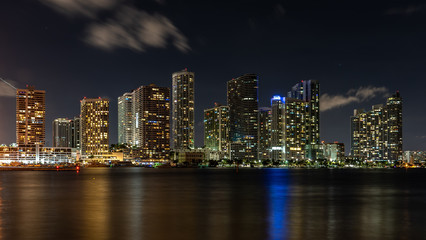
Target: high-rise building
[394, 127]
[243, 114]
[377, 134]
[216, 128]
[126, 119]
[76, 133]
[94, 114]
[264, 134]
[30, 117]
[182, 110]
[152, 121]
[62, 132]
[288, 128]
[309, 91]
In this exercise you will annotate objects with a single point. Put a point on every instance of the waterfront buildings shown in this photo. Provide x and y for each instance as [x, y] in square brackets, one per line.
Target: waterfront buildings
[216, 128]
[30, 117]
[242, 94]
[76, 133]
[288, 128]
[309, 91]
[334, 151]
[152, 122]
[66, 132]
[126, 119]
[35, 154]
[62, 132]
[94, 114]
[264, 133]
[182, 135]
[377, 134]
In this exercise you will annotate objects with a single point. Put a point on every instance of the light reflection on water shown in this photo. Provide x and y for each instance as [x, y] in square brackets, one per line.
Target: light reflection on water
[136, 203]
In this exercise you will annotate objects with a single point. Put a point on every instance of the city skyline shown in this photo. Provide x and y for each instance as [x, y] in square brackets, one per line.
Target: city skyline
[359, 65]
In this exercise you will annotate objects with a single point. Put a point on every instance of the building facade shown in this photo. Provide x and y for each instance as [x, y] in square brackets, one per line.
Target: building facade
[62, 132]
[182, 136]
[152, 122]
[242, 94]
[309, 91]
[30, 117]
[216, 128]
[377, 134]
[264, 134]
[288, 128]
[94, 114]
[126, 119]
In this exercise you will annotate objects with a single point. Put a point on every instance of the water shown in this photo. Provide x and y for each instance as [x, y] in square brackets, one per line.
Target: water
[137, 203]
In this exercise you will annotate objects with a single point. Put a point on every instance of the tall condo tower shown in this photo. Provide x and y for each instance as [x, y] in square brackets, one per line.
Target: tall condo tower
[62, 132]
[264, 133]
[152, 121]
[243, 115]
[126, 119]
[377, 134]
[216, 128]
[183, 110]
[94, 126]
[30, 117]
[309, 91]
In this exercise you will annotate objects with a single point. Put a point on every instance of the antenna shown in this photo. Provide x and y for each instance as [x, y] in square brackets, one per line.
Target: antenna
[10, 85]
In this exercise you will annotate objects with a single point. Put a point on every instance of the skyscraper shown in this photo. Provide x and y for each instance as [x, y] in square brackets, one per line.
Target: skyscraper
[30, 117]
[264, 134]
[94, 126]
[152, 121]
[288, 128]
[377, 134]
[126, 119]
[62, 132]
[216, 128]
[183, 110]
[243, 114]
[76, 133]
[309, 91]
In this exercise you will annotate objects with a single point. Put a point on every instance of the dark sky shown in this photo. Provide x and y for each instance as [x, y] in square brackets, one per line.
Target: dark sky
[360, 51]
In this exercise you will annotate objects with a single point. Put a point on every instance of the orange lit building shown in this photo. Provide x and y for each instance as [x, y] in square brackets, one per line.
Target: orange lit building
[30, 117]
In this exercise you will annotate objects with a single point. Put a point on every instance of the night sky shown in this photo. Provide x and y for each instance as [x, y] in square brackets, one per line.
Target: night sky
[360, 51]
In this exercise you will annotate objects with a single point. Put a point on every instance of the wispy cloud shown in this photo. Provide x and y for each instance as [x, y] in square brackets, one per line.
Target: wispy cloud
[6, 90]
[359, 95]
[136, 30]
[88, 8]
[128, 26]
[406, 10]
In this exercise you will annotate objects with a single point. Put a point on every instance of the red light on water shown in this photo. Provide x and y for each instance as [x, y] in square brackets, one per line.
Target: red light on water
[78, 168]
[57, 167]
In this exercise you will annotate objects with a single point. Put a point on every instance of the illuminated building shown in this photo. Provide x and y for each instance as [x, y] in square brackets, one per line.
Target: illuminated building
[216, 128]
[35, 154]
[264, 134]
[62, 132]
[309, 91]
[94, 114]
[243, 116]
[76, 133]
[126, 119]
[182, 110]
[334, 151]
[152, 122]
[377, 134]
[30, 117]
[288, 128]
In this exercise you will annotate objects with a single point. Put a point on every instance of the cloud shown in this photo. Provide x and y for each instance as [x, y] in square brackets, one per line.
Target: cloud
[136, 30]
[6, 90]
[128, 27]
[361, 94]
[407, 10]
[88, 8]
